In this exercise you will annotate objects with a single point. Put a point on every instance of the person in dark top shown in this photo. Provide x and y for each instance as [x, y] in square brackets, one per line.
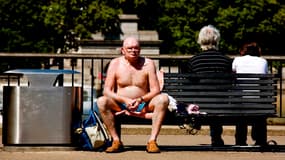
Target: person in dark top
[208, 61]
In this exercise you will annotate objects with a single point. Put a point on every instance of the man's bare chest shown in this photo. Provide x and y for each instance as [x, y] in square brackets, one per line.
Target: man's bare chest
[131, 78]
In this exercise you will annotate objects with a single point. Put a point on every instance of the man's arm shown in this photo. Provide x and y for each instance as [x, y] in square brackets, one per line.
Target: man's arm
[153, 82]
[109, 85]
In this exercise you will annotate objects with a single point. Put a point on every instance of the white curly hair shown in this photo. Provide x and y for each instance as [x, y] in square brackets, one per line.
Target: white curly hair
[209, 38]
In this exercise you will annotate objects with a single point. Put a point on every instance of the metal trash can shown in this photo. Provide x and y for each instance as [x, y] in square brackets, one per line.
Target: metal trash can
[40, 114]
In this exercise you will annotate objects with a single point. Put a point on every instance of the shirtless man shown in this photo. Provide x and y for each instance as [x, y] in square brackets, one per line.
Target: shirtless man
[132, 88]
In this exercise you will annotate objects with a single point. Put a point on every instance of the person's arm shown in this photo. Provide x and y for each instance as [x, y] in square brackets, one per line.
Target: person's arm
[110, 82]
[160, 77]
[266, 67]
[188, 66]
[234, 66]
[154, 88]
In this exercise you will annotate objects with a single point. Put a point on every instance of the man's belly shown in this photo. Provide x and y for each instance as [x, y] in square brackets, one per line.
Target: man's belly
[131, 92]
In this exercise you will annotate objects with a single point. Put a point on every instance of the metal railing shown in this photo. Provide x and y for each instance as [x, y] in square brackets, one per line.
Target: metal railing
[92, 70]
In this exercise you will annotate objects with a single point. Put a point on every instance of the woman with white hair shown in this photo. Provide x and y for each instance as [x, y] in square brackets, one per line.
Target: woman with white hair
[210, 60]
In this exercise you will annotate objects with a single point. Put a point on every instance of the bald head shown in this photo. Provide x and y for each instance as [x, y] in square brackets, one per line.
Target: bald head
[131, 41]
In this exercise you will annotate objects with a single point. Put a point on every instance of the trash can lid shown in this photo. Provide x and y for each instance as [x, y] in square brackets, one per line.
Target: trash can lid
[42, 71]
[42, 77]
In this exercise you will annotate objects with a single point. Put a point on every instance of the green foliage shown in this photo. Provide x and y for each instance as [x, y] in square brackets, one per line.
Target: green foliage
[181, 21]
[71, 19]
[22, 29]
[248, 20]
[238, 20]
[45, 26]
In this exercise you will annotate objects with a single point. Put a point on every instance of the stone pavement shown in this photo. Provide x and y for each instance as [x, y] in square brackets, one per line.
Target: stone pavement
[175, 143]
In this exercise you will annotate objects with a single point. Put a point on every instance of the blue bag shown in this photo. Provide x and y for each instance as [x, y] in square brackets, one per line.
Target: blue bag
[92, 134]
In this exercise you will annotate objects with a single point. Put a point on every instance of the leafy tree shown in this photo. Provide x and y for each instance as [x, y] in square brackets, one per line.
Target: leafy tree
[52, 26]
[147, 10]
[71, 19]
[22, 28]
[181, 20]
[262, 21]
[45, 26]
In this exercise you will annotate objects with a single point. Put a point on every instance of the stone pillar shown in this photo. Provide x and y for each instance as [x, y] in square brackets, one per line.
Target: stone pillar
[129, 25]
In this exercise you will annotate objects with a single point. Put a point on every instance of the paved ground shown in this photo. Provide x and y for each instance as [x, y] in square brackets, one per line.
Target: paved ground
[174, 143]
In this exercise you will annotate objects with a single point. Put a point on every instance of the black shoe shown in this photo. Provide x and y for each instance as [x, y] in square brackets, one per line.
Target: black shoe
[241, 143]
[260, 143]
[218, 143]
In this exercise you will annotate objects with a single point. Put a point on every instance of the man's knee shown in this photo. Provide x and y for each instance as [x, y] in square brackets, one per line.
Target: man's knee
[161, 100]
[164, 99]
[102, 102]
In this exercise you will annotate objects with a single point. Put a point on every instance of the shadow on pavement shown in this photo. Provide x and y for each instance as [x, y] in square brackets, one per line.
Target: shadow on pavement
[164, 148]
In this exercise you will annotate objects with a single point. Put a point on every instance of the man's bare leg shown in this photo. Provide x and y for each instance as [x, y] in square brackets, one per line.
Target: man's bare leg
[160, 103]
[105, 105]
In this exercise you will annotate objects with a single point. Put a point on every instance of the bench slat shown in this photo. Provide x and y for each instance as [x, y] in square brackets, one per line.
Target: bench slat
[217, 87]
[236, 105]
[225, 94]
[186, 81]
[226, 99]
[219, 75]
[218, 94]
[240, 112]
